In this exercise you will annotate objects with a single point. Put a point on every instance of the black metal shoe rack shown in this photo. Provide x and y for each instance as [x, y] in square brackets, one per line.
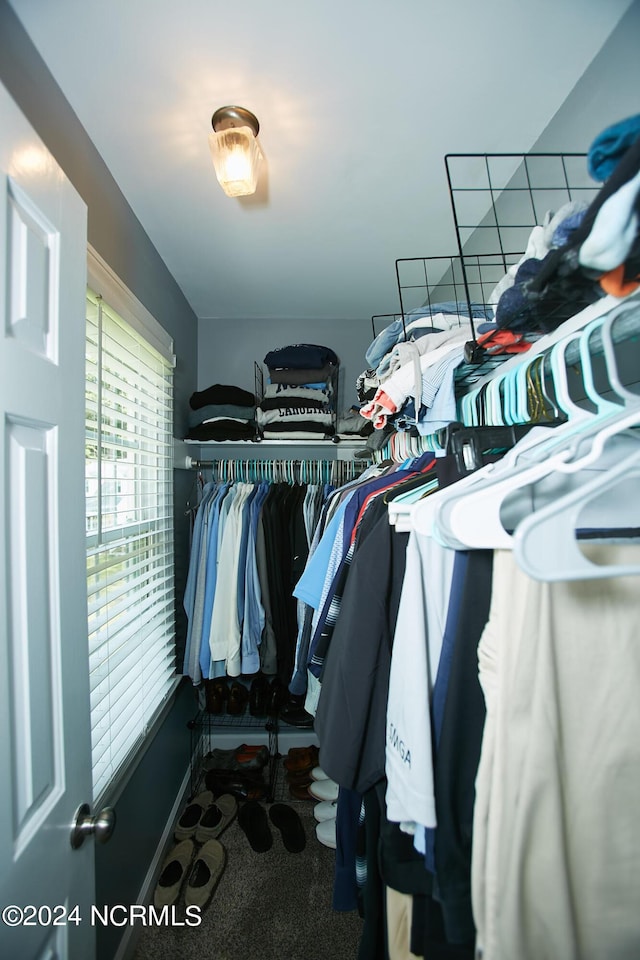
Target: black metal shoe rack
[205, 726]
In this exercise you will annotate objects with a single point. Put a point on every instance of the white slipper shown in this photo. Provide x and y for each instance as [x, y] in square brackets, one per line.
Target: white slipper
[324, 789]
[325, 810]
[326, 833]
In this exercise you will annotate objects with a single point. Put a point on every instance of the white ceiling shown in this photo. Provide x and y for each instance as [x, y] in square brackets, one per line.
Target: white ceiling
[358, 102]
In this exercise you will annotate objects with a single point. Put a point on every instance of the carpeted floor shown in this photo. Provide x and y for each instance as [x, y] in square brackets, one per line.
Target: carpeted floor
[267, 906]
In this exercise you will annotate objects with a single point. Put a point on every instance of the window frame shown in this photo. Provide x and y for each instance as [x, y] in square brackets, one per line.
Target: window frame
[118, 298]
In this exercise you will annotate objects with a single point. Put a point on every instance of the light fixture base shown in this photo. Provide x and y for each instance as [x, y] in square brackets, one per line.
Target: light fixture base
[225, 118]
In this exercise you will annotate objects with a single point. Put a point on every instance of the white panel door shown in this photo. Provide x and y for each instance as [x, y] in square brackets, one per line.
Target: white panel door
[45, 768]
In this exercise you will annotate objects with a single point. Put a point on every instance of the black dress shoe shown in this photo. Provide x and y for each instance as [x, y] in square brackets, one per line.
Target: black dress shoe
[278, 694]
[293, 712]
[239, 785]
[216, 694]
[220, 776]
[238, 697]
[258, 696]
[214, 702]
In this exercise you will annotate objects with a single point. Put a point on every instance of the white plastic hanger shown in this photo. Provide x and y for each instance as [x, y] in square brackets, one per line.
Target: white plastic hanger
[609, 351]
[441, 506]
[469, 513]
[482, 519]
[545, 544]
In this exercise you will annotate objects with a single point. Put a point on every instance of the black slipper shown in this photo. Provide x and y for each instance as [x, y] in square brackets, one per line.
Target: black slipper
[252, 817]
[290, 826]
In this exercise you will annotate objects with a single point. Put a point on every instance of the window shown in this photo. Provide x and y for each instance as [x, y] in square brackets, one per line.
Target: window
[129, 524]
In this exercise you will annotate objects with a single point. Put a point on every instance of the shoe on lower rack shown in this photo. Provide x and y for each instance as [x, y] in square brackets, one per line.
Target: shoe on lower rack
[244, 757]
[312, 748]
[326, 833]
[242, 786]
[303, 759]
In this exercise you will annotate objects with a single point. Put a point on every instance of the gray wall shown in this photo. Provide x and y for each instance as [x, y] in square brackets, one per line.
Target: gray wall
[608, 91]
[119, 238]
[226, 352]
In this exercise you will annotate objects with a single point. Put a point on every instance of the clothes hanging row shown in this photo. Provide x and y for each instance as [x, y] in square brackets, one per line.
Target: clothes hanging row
[475, 694]
[251, 529]
[335, 472]
[570, 371]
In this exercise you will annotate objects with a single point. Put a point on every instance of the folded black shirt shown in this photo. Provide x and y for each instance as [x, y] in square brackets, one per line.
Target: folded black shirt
[221, 393]
[300, 356]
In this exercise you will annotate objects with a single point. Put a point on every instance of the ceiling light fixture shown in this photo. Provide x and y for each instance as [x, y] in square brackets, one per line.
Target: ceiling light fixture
[235, 150]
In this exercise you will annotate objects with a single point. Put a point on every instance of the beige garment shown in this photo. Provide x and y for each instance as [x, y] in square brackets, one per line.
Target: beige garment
[556, 857]
[399, 912]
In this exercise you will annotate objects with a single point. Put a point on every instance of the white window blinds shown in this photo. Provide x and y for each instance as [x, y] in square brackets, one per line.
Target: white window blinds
[129, 528]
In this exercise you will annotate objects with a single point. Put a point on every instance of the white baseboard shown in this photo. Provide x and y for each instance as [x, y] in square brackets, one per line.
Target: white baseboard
[127, 945]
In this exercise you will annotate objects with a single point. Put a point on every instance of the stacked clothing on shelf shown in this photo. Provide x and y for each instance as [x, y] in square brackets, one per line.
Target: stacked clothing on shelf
[409, 383]
[583, 252]
[299, 400]
[222, 412]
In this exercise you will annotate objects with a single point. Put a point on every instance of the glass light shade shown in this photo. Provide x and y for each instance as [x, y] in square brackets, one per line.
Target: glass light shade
[236, 156]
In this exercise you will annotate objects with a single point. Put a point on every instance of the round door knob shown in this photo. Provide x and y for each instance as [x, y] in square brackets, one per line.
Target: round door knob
[84, 825]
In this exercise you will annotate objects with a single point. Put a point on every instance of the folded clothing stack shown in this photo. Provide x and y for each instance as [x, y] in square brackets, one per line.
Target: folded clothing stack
[299, 401]
[222, 412]
[597, 250]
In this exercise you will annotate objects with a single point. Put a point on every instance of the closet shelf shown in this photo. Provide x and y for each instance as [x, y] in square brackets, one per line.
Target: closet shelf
[252, 444]
[342, 449]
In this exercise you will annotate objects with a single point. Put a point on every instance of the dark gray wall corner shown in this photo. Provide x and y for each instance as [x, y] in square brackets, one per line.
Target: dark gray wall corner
[121, 864]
